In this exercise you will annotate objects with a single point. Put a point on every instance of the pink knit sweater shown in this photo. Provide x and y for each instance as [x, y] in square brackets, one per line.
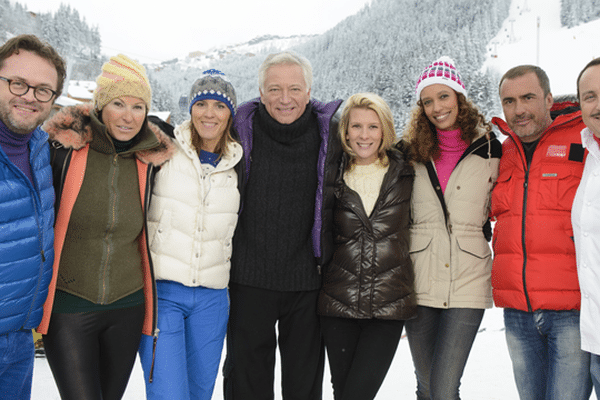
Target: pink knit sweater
[452, 148]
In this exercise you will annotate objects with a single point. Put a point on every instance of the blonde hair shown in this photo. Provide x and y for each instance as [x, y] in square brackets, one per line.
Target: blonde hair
[369, 101]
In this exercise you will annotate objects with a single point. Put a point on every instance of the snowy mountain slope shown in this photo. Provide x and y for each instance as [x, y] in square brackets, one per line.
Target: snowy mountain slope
[561, 52]
[202, 60]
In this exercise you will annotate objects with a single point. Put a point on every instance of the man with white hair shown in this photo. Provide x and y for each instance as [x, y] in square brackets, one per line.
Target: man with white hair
[283, 235]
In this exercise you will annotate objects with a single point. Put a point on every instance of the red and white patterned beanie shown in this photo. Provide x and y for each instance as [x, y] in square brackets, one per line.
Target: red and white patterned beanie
[441, 71]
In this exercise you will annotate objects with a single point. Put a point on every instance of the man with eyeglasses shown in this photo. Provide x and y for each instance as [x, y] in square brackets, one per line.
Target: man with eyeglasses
[31, 77]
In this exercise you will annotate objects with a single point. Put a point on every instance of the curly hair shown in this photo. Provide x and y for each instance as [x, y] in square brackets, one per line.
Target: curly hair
[421, 134]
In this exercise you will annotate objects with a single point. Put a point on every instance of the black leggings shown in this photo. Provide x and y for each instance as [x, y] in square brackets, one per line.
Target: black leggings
[360, 352]
[91, 354]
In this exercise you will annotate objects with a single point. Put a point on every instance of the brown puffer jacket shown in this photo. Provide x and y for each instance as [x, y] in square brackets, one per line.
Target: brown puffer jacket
[371, 274]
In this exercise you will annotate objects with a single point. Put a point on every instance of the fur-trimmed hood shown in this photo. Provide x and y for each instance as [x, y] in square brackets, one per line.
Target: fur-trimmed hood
[72, 128]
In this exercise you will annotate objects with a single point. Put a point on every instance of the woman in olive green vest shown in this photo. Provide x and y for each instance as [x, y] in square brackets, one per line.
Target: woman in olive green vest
[102, 291]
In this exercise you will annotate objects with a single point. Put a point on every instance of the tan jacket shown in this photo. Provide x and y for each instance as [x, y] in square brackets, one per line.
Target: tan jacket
[450, 254]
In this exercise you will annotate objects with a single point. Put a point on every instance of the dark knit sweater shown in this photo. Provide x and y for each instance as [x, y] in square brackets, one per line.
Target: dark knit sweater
[272, 245]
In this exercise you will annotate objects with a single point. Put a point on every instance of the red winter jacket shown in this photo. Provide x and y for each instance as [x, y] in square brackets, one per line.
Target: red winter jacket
[534, 266]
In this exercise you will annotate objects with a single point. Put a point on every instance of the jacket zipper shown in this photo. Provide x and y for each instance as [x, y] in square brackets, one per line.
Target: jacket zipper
[527, 166]
[150, 174]
[109, 231]
[63, 174]
[467, 153]
[523, 241]
[37, 208]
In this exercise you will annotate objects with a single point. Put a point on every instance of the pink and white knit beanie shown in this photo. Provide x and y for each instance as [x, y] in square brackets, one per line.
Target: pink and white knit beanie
[441, 71]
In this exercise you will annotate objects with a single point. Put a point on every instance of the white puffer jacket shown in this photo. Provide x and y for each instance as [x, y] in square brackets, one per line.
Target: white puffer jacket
[193, 215]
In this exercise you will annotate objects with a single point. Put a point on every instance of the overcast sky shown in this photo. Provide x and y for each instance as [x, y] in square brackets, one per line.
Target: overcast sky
[160, 30]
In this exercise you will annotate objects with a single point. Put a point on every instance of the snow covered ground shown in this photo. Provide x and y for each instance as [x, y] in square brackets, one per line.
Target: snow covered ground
[488, 375]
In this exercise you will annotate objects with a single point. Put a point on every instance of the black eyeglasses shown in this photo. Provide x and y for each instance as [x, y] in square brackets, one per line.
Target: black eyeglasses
[20, 88]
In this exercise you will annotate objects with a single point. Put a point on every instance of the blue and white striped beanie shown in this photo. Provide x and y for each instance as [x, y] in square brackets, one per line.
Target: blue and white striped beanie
[213, 85]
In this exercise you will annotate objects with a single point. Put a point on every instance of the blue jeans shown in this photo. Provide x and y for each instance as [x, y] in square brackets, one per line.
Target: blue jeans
[545, 349]
[595, 370]
[16, 365]
[192, 323]
[440, 341]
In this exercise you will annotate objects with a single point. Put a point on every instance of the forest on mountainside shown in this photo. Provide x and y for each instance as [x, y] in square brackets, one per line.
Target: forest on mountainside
[380, 49]
[77, 42]
[575, 12]
[385, 46]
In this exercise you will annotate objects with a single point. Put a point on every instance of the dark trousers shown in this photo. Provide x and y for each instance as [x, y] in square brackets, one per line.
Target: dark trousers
[91, 354]
[360, 352]
[252, 341]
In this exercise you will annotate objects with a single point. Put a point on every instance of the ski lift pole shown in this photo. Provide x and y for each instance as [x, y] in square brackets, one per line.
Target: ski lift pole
[537, 57]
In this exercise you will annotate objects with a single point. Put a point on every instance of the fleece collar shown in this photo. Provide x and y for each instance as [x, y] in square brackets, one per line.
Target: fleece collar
[72, 128]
